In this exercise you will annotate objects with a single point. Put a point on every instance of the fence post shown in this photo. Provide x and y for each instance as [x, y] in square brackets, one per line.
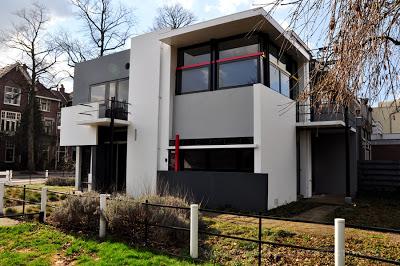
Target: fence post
[103, 206]
[43, 203]
[339, 242]
[146, 222]
[24, 198]
[194, 231]
[46, 175]
[1, 198]
[259, 239]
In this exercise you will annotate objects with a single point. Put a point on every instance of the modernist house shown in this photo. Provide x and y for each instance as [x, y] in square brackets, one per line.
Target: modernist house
[209, 109]
[14, 79]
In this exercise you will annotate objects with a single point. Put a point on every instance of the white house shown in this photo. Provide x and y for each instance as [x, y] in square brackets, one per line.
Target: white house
[226, 87]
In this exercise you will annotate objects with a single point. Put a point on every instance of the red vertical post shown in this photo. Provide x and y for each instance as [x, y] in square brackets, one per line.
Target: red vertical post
[176, 152]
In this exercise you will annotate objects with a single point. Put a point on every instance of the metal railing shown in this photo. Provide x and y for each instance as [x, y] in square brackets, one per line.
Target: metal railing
[323, 112]
[113, 107]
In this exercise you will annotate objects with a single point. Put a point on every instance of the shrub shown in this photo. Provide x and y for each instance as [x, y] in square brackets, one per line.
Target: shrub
[11, 211]
[78, 213]
[126, 216]
[60, 181]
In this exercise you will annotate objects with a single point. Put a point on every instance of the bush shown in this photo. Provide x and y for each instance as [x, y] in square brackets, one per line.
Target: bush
[126, 216]
[78, 213]
[60, 181]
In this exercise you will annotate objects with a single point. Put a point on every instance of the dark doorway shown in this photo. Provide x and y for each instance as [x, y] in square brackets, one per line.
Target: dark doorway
[85, 166]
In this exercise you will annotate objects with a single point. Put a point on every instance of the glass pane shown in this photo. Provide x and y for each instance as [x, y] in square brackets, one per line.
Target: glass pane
[194, 80]
[194, 160]
[196, 55]
[285, 87]
[274, 77]
[237, 47]
[112, 90]
[123, 90]
[237, 73]
[97, 93]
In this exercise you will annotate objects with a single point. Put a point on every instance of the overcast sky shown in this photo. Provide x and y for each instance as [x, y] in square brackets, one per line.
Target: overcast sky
[62, 16]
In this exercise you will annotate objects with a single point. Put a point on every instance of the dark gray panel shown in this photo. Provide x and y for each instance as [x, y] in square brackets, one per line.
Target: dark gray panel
[103, 69]
[239, 191]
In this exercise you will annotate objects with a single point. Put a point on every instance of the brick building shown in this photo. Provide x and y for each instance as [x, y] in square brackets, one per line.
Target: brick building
[14, 79]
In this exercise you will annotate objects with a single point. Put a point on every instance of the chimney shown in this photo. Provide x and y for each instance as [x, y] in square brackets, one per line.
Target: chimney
[62, 89]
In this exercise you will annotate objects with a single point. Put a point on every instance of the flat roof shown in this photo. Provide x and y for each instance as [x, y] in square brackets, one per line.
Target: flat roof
[249, 21]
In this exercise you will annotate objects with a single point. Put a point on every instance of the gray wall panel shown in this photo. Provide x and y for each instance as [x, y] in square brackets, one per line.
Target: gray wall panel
[103, 69]
[214, 114]
[240, 191]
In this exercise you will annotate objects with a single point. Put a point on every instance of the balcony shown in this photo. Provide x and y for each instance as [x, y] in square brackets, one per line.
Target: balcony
[100, 113]
[323, 115]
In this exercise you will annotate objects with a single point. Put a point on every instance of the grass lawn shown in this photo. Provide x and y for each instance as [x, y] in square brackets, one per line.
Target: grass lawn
[36, 244]
[234, 252]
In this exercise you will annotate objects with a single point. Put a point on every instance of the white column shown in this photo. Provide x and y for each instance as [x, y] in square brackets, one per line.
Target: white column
[2, 192]
[194, 231]
[43, 202]
[305, 164]
[46, 175]
[78, 168]
[90, 175]
[103, 206]
[339, 242]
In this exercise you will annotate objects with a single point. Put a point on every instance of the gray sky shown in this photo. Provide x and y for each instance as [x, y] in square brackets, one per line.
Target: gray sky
[61, 13]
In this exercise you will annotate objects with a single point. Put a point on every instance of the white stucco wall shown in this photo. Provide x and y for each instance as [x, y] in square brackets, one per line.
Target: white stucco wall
[74, 134]
[144, 96]
[275, 137]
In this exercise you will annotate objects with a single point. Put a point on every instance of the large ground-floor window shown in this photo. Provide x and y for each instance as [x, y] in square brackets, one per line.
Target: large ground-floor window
[226, 160]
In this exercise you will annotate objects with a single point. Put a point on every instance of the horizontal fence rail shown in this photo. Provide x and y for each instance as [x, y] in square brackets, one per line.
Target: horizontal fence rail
[381, 176]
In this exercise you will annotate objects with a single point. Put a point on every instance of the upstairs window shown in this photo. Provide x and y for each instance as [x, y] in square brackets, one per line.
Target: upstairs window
[279, 75]
[12, 96]
[44, 105]
[119, 89]
[238, 62]
[193, 72]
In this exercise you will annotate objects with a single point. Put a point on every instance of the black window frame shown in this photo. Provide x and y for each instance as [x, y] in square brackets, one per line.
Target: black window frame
[107, 88]
[263, 66]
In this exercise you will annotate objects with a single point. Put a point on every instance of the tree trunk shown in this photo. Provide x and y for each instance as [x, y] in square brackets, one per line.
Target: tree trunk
[31, 129]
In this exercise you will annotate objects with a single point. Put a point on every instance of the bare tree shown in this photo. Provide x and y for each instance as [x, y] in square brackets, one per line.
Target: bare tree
[173, 16]
[29, 37]
[106, 27]
[361, 51]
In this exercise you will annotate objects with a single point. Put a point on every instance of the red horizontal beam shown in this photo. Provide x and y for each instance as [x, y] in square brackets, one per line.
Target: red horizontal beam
[220, 60]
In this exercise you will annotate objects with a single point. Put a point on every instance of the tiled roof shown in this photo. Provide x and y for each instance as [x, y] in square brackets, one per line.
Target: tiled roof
[7, 69]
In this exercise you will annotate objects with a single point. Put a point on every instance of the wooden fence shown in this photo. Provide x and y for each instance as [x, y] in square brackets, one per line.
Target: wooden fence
[379, 176]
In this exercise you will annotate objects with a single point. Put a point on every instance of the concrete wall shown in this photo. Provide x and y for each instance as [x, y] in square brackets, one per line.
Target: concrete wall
[73, 134]
[246, 191]
[214, 114]
[103, 69]
[275, 137]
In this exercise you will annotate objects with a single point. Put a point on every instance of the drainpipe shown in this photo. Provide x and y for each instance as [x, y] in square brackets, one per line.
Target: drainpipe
[390, 119]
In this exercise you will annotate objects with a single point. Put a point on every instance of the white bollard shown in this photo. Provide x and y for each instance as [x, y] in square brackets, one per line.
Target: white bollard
[46, 175]
[339, 242]
[43, 202]
[103, 206]
[1, 198]
[10, 175]
[194, 231]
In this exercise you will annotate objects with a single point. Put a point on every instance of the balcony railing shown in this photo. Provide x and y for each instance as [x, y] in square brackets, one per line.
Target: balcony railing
[323, 112]
[113, 107]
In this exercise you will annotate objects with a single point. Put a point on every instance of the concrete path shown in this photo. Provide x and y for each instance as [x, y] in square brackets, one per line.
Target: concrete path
[317, 214]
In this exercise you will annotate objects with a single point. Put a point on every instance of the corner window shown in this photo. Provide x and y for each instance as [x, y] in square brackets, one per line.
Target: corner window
[279, 76]
[12, 96]
[194, 68]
